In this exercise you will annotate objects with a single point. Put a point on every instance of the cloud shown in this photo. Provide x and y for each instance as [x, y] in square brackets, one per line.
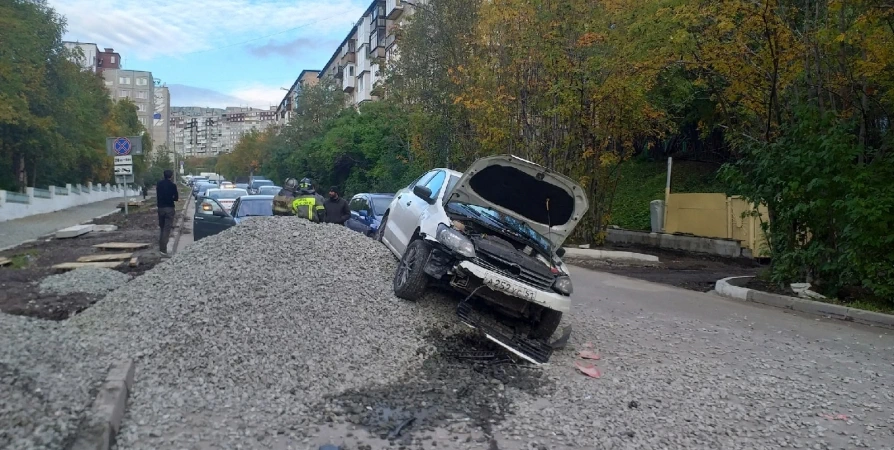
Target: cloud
[260, 95]
[292, 48]
[174, 28]
[183, 95]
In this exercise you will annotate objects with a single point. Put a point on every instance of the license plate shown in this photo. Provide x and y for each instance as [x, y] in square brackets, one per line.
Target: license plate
[509, 288]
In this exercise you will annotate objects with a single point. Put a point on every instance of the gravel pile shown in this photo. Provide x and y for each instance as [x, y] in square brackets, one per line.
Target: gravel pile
[238, 336]
[87, 280]
[46, 382]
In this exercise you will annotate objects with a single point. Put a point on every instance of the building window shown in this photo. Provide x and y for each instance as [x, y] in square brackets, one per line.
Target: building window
[142, 94]
[122, 94]
[123, 80]
[109, 82]
[141, 107]
[142, 81]
[112, 59]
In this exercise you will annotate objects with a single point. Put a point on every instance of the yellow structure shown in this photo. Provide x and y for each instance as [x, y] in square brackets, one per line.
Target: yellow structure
[715, 215]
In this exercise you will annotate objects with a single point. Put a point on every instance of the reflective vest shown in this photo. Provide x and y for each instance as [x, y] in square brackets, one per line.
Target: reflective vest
[308, 206]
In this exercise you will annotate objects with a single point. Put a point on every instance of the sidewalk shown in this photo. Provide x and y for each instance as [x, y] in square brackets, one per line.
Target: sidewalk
[14, 232]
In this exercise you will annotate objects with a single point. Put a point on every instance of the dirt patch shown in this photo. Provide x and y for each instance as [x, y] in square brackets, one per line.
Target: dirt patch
[694, 271]
[19, 291]
[760, 284]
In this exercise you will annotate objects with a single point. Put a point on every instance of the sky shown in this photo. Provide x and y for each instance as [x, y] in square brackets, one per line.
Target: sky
[216, 53]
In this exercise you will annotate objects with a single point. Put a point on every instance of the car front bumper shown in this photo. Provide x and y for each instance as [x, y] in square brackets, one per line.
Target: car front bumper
[514, 288]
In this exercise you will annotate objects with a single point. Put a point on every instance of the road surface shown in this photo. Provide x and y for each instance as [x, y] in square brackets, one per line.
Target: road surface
[14, 232]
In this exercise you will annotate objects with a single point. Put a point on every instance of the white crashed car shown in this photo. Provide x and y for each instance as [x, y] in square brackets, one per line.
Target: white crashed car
[495, 231]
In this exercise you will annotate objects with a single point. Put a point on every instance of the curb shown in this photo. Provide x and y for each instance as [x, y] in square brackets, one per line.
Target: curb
[108, 409]
[729, 290]
[180, 224]
[582, 253]
[10, 247]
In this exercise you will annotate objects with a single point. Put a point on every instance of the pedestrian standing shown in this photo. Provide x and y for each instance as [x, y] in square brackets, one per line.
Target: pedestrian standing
[337, 210]
[165, 195]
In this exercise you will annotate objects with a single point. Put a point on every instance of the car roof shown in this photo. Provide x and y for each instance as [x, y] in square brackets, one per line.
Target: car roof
[246, 198]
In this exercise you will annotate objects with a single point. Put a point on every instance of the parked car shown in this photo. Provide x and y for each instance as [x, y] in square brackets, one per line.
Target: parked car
[211, 218]
[226, 197]
[494, 233]
[242, 186]
[195, 180]
[269, 190]
[256, 184]
[367, 211]
[200, 187]
[227, 185]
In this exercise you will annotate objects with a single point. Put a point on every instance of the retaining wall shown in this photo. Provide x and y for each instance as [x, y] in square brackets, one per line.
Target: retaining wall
[15, 205]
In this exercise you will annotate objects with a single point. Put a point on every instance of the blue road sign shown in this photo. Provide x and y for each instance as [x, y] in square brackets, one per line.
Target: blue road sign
[122, 146]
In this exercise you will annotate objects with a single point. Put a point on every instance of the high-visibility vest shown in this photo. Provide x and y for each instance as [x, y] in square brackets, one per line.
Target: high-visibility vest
[308, 207]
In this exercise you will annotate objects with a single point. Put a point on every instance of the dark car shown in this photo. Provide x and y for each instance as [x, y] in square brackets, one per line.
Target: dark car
[198, 190]
[212, 218]
[367, 211]
[269, 190]
[256, 184]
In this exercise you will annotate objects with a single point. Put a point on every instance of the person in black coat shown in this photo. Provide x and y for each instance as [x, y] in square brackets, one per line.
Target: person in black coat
[337, 210]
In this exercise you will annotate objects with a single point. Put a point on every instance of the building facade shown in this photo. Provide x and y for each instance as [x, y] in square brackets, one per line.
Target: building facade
[286, 108]
[136, 85]
[107, 59]
[203, 132]
[84, 54]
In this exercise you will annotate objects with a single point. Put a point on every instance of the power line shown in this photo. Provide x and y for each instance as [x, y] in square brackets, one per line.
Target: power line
[263, 37]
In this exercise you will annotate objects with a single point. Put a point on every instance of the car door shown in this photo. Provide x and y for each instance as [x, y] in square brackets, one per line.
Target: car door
[210, 218]
[400, 217]
[355, 222]
[414, 207]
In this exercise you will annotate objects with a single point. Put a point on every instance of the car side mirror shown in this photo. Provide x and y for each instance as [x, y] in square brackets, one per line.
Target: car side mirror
[560, 252]
[220, 213]
[423, 193]
[362, 213]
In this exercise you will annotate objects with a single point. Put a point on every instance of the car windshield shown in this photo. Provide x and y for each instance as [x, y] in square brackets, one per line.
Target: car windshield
[258, 183]
[255, 208]
[381, 204]
[227, 193]
[500, 220]
[269, 190]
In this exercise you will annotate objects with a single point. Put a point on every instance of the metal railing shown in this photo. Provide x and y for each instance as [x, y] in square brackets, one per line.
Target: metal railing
[42, 193]
[60, 190]
[17, 197]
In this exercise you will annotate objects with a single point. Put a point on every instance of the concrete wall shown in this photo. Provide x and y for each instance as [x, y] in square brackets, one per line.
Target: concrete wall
[58, 200]
[713, 246]
[715, 216]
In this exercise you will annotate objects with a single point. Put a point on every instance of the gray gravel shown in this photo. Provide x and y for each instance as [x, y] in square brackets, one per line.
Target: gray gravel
[46, 382]
[87, 280]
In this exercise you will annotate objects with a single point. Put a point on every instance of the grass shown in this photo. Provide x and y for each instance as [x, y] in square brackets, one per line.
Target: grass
[22, 260]
[643, 181]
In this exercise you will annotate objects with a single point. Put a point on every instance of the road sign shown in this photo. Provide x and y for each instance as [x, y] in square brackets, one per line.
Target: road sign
[122, 179]
[123, 170]
[124, 160]
[124, 145]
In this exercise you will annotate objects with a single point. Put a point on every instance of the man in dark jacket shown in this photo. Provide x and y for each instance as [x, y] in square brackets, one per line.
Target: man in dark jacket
[337, 210]
[165, 195]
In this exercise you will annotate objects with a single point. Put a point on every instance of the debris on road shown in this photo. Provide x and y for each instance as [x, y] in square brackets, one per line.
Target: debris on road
[88, 280]
[588, 354]
[588, 369]
[105, 257]
[73, 232]
[5, 262]
[127, 246]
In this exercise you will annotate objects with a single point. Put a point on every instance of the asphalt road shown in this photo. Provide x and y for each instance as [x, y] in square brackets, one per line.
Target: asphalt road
[14, 232]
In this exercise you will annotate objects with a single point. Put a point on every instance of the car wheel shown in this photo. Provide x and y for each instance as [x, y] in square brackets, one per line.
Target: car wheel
[380, 232]
[549, 322]
[410, 279]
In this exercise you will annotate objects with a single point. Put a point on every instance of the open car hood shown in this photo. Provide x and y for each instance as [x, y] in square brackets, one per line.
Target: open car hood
[522, 189]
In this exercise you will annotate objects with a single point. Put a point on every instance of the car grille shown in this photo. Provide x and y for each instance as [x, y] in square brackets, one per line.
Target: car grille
[511, 270]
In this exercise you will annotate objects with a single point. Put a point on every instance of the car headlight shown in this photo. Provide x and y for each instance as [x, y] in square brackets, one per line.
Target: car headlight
[563, 285]
[455, 241]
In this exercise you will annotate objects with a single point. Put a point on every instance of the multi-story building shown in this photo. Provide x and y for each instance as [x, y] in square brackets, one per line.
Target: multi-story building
[357, 62]
[85, 54]
[202, 132]
[138, 86]
[286, 107]
[107, 59]
[161, 118]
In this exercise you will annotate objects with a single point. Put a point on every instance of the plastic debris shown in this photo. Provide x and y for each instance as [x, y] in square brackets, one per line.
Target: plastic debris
[587, 354]
[834, 416]
[588, 369]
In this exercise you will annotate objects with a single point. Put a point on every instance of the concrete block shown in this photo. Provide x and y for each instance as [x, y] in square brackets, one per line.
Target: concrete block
[123, 371]
[110, 403]
[727, 288]
[608, 254]
[871, 318]
[97, 437]
[104, 228]
[72, 232]
[108, 409]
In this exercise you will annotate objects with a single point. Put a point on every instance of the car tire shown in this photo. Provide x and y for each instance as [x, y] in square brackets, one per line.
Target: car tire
[549, 322]
[380, 232]
[410, 279]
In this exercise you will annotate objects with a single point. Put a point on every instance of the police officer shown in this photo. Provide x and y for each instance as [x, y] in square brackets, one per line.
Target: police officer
[282, 202]
[307, 203]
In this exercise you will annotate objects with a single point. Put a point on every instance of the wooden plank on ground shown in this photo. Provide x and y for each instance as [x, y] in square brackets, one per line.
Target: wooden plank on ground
[5, 261]
[134, 261]
[78, 265]
[105, 257]
[121, 246]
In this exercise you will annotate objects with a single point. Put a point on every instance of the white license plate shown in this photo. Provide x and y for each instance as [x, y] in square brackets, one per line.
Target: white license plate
[509, 288]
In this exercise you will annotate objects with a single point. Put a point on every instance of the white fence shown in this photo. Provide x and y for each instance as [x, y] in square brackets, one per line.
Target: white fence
[15, 205]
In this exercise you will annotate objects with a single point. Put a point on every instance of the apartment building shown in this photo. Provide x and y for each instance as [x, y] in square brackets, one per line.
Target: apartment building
[286, 108]
[199, 131]
[107, 59]
[136, 85]
[84, 54]
[357, 62]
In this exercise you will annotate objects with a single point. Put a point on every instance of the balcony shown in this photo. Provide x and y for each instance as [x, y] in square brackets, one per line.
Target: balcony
[377, 43]
[377, 19]
[348, 52]
[339, 71]
[348, 83]
[394, 8]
